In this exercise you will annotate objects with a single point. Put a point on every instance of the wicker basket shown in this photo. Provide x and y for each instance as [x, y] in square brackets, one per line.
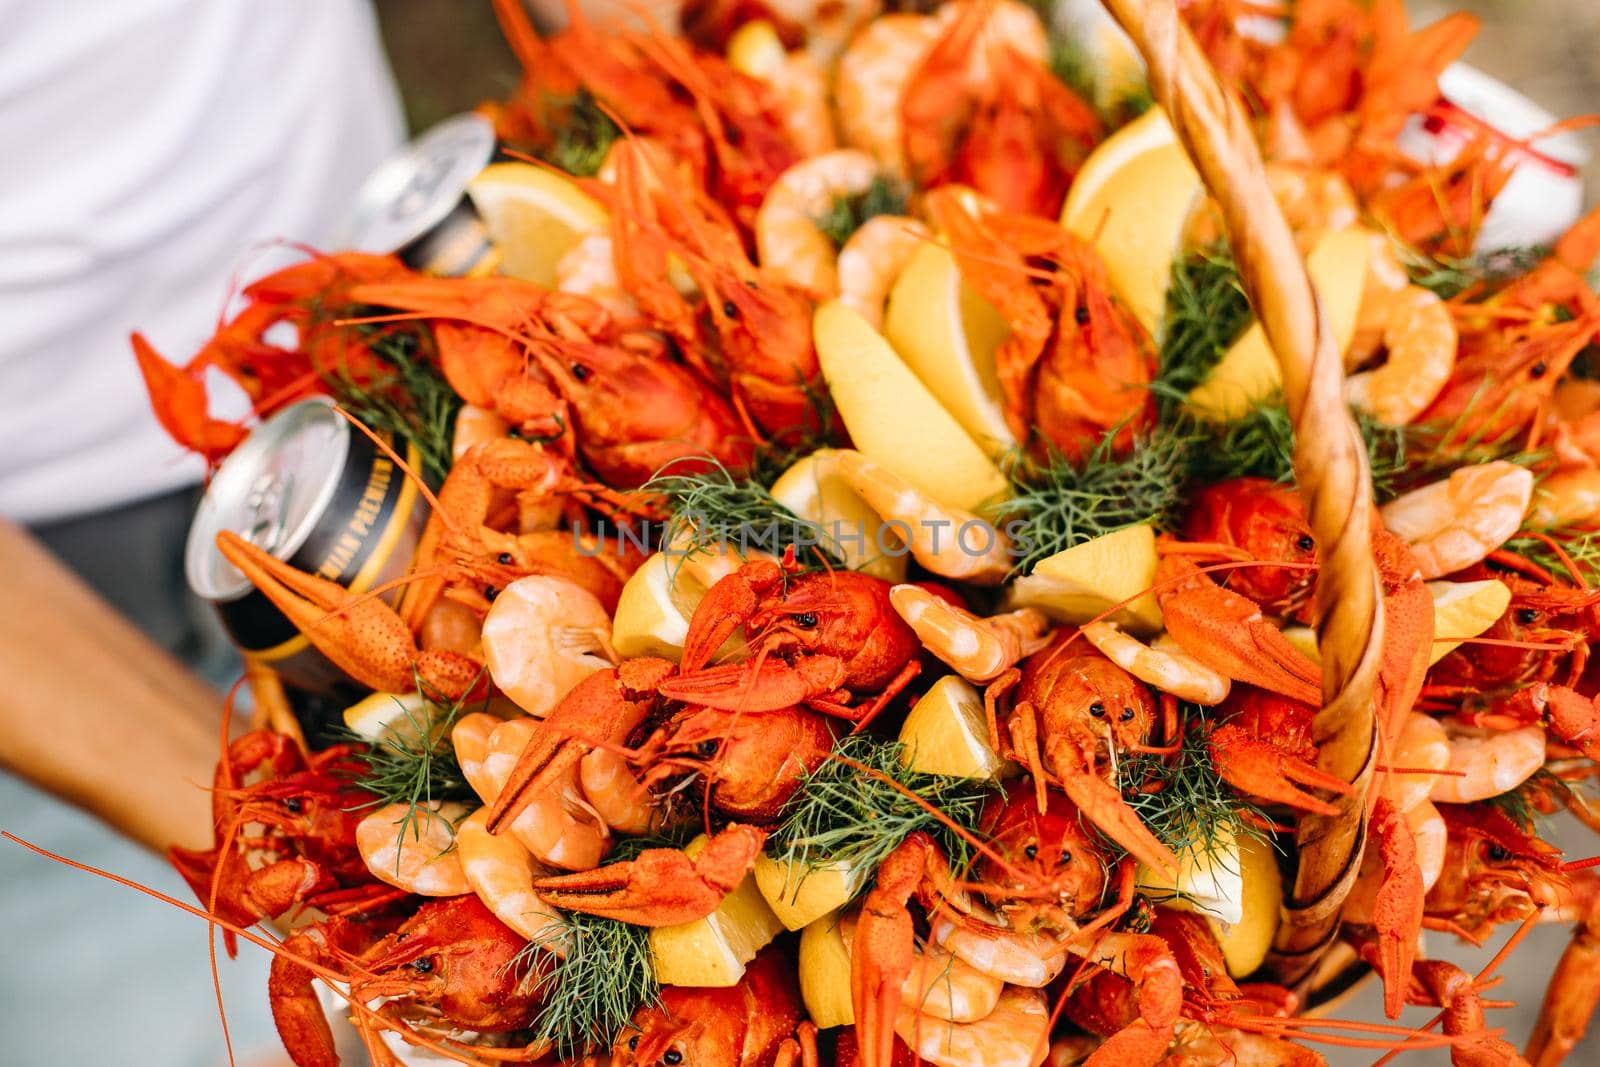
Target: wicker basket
[1330, 469]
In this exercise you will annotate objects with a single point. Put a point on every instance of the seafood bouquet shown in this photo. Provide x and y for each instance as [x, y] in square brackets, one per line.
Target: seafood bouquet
[946, 535]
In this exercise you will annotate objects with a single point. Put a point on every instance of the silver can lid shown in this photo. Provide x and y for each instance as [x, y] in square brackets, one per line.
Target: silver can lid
[413, 190]
[272, 490]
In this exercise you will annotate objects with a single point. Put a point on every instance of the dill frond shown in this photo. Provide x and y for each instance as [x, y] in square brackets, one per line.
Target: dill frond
[713, 508]
[1073, 66]
[842, 816]
[846, 214]
[414, 762]
[1581, 546]
[406, 396]
[1449, 276]
[588, 995]
[1519, 805]
[1206, 312]
[584, 134]
[1182, 798]
[1059, 503]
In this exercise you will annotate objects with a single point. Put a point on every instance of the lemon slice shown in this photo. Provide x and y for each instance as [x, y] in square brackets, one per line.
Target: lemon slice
[1464, 609]
[1248, 373]
[1209, 881]
[756, 50]
[384, 716]
[799, 896]
[1245, 942]
[894, 419]
[1132, 199]
[825, 973]
[946, 732]
[948, 335]
[812, 490]
[1082, 582]
[1304, 638]
[647, 621]
[713, 951]
[533, 216]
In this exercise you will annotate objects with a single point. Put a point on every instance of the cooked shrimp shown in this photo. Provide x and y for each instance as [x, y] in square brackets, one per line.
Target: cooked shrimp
[1015, 1034]
[589, 268]
[501, 870]
[1029, 960]
[559, 827]
[475, 425]
[1457, 522]
[1420, 335]
[1163, 665]
[543, 636]
[871, 261]
[411, 848]
[470, 739]
[1385, 283]
[1568, 498]
[940, 986]
[949, 542]
[1423, 745]
[614, 791]
[1428, 827]
[788, 240]
[977, 648]
[871, 78]
[1486, 763]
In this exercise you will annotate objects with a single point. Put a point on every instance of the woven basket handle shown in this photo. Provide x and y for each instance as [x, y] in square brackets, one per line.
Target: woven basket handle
[1330, 463]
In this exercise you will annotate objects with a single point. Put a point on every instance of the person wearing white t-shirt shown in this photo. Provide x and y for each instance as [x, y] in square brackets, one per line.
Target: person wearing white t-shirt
[149, 151]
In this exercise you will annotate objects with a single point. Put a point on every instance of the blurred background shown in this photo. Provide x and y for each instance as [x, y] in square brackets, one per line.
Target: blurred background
[447, 56]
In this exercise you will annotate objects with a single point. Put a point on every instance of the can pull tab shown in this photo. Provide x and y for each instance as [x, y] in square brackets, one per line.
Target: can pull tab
[265, 504]
[420, 191]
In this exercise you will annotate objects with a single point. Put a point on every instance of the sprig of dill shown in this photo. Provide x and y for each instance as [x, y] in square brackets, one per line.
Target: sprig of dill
[407, 398]
[1518, 804]
[846, 214]
[413, 763]
[1205, 314]
[781, 451]
[1449, 276]
[588, 994]
[584, 134]
[1182, 798]
[1059, 503]
[1581, 546]
[713, 508]
[840, 815]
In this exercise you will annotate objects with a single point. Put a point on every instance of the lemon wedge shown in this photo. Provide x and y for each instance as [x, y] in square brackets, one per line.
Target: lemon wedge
[1248, 372]
[1080, 583]
[385, 716]
[1245, 942]
[894, 419]
[812, 489]
[948, 335]
[647, 621]
[946, 732]
[533, 216]
[1209, 881]
[1464, 609]
[825, 973]
[799, 896]
[713, 951]
[756, 50]
[1132, 199]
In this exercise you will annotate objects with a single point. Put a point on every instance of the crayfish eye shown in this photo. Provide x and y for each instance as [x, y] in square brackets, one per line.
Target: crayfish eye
[806, 620]
[1538, 370]
[490, 592]
[295, 805]
[422, 966]
[1097, 709]
[1127, 714]
[672, 1057]
[1498, 853]
[708, 749]
[1081, 315]
[1527, 616]
[633, 1042]
[581, 372]
[1031, 851]
[730, 309]
[504, 559]
[1305, 543]
[1066, 857]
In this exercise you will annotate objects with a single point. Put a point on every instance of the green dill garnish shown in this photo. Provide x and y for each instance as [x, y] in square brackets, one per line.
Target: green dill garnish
[1519, 804]
[1073, 67]
[1182, 798]
[405, 395]
[413, 763]
[843, 816]
[588, 995]
[846, 214]
[1479, 274]
[1058, 504]
[1206, 312]
[1581, 547]
[584, 134]
[713, 508]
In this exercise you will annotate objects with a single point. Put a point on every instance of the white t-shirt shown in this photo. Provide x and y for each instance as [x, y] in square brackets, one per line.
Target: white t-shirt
[148, 148]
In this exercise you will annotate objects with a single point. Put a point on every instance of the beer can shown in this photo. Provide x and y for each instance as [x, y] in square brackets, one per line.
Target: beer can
[415, 203]
[313, 491]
